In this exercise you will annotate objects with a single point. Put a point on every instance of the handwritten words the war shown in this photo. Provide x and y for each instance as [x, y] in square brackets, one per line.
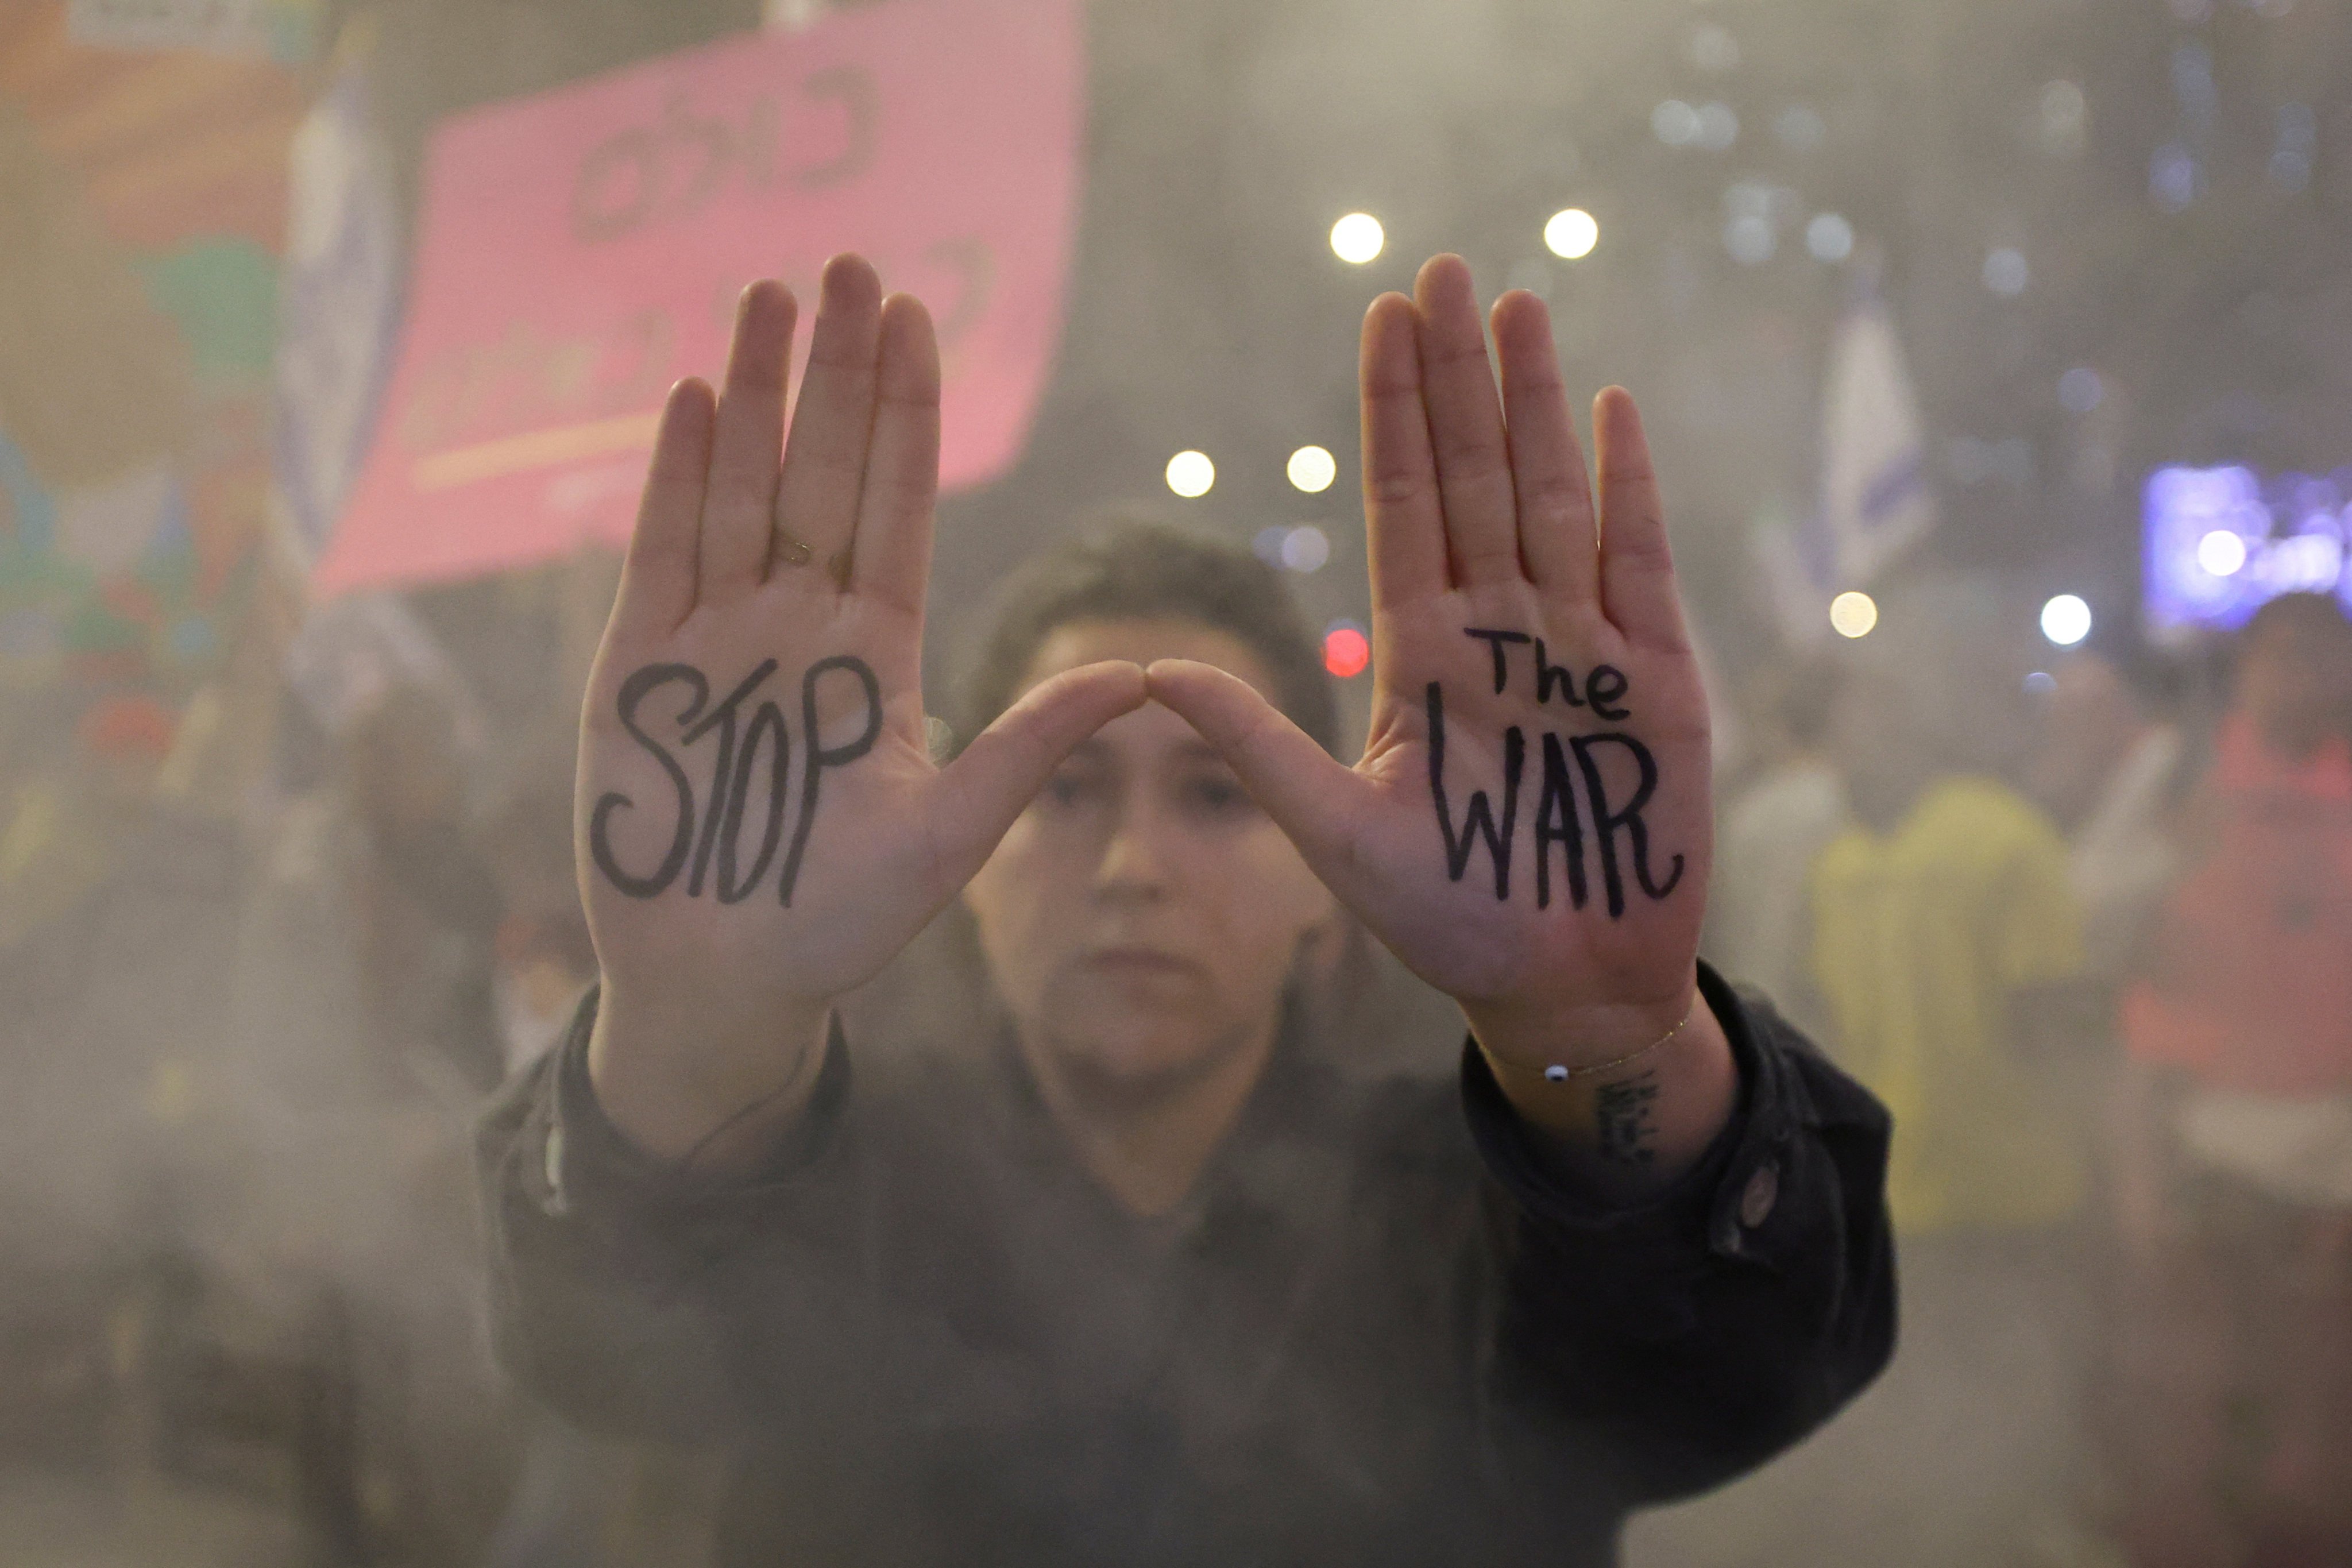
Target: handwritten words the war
[704, 842]
[1576, 799]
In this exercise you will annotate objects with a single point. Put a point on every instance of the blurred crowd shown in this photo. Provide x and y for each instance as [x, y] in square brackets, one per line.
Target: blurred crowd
[2084, 929]
[247, 1031]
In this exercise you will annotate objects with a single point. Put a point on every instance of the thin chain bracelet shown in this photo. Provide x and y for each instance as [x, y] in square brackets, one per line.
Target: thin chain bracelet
[1561, 1073]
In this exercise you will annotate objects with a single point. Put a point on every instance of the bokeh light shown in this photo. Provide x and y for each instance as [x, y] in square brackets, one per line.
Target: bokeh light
[1719, 127]
[1712, 49]
[1312, 469]
[1358, 238]
[1750, 239]
[2080, 390]
[1571, 233]
[2005, 272]
[2066, 620]
[1852, 613]
[2222, 553]
[1191, 474]
[1346, 649]
[1800, 127]
[2174, 178]
[1306, 548]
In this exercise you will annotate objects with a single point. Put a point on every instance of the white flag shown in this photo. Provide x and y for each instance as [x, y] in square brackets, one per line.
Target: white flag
[1875, 502]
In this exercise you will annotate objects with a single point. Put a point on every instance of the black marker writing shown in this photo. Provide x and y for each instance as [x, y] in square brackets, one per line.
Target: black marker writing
[722, 772]
[1496, 640]
[821, 758]
[634, 692]
[1548, 673]
[738, 754]
[769, 718]
[1604, 684]
[1606, 823]
[1571, 797]
[1478, 819]
[1557, 822]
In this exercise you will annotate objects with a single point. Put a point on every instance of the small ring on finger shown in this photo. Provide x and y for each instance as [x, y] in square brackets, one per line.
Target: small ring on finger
[790, 552]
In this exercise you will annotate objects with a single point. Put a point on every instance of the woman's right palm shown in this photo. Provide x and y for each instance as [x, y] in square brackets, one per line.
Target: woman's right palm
[759, 826]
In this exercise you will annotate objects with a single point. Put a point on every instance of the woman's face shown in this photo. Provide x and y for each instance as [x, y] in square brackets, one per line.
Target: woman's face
[1141, 917]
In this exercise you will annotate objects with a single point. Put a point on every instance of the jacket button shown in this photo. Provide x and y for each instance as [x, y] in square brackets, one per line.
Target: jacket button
[1762, 1192]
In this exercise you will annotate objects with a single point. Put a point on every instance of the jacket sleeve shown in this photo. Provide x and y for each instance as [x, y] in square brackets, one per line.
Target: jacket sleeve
[620, 1286]
[1706, 1331]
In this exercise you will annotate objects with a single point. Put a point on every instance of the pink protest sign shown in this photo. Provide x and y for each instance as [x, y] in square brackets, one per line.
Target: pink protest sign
[582, 249]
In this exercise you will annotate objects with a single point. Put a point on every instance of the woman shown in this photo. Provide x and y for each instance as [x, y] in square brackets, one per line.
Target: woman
[1143, 1286]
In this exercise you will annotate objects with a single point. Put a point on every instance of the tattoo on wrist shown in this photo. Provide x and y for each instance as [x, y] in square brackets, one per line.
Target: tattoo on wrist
[720, 816]
[1569, 799]
[1621, 1113]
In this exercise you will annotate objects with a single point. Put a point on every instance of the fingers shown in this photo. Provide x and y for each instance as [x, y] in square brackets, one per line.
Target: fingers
[1312, 796]
[832, 423]
[891, 559]
[1557, 539]
[1465, 427]
[1637, 569]
[744, 442]
[658, 578]
[1404, 525]
[1005, 766]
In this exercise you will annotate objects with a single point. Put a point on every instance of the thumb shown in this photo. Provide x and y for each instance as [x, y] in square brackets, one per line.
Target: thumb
[996, 776]
[1311, 796]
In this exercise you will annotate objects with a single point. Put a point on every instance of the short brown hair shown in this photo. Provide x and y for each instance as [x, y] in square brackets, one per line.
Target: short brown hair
[1136, 570]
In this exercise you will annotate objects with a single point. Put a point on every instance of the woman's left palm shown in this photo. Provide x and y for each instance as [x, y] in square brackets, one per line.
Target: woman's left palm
[1529, 827]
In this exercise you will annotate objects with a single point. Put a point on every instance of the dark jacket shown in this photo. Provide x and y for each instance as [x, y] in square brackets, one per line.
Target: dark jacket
[1380, 1331]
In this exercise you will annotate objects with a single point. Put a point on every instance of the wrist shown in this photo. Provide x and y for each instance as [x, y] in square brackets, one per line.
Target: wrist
[668, 1076]
[1533, 1035]
[1638, 1117]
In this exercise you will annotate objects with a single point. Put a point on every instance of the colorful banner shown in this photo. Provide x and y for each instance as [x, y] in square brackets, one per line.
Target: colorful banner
[582, 249]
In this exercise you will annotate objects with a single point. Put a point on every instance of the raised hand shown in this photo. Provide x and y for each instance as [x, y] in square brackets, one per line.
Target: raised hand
[760, 826]
[1529, 828]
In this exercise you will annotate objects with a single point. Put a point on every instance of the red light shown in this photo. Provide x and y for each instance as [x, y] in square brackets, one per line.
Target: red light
[1345, 652]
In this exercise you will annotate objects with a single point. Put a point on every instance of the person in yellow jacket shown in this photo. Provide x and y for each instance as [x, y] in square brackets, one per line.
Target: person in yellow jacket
[1932, 935]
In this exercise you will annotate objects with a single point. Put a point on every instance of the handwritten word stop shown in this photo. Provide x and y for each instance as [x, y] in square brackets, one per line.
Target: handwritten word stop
[709, 833]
